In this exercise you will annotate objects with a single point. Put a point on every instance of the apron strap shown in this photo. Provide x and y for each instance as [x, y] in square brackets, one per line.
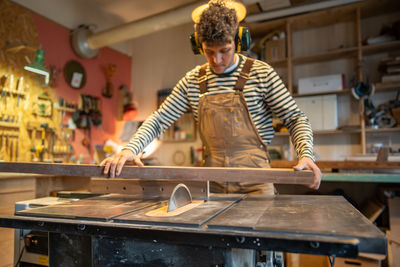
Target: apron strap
[203, 79]
[241, 81]
[244, 74]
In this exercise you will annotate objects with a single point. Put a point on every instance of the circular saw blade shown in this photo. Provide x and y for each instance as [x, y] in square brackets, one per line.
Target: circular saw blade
[180, 197]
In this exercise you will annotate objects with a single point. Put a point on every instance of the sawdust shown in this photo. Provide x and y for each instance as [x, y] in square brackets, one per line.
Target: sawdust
[163, 211]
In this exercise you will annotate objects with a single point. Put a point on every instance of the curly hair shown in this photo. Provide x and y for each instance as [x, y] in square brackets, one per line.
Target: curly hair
[218, 23]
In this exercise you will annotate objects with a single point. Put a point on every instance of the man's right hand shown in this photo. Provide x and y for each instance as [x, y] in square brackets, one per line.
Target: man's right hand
[113, 165]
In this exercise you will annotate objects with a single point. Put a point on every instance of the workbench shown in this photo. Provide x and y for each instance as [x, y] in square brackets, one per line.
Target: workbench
[115, 229]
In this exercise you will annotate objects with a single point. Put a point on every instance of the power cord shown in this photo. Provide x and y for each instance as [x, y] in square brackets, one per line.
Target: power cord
[20, 256]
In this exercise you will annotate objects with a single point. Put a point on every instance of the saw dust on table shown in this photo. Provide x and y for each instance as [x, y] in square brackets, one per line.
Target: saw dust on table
[163, 211]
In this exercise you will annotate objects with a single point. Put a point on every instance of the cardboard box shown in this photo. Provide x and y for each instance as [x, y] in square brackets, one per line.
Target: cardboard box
[360, 261]
[320, 110]
[321, 84]
[275, 50]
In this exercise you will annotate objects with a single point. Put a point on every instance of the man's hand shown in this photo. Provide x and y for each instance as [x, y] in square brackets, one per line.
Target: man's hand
[308, 164]
[115, 163]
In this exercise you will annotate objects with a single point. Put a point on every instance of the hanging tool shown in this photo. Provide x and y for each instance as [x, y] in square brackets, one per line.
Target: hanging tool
[10, 148]
[3, 145]
[3, 95]
[19, 88]
[40, 149]
[16, 147]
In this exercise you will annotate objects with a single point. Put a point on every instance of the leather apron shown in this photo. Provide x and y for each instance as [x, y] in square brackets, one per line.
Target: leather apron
[229, 136]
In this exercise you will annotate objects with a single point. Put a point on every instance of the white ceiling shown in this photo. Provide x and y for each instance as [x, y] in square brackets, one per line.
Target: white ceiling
[131, 10]
[107, 14]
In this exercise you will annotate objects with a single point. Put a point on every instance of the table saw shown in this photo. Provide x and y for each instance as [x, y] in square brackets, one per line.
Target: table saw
[136, 229]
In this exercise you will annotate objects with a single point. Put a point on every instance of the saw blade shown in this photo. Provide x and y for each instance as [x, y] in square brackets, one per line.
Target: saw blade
[180, 197]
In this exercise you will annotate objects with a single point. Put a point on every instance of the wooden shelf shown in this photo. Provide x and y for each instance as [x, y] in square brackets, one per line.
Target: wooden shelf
[65, 109]
[347, 164]
[9, 124]
[382, 130]
[381, 87]
[343, 92]
[330, 55]
[324, 17]
[327, 132]
[14, 92]
[380, 48]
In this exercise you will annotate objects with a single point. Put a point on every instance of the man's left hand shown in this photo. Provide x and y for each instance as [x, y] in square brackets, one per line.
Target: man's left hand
[308, 164]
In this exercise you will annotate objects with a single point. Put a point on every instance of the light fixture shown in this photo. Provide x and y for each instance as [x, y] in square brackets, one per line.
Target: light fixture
[237, 6]
[38, 67]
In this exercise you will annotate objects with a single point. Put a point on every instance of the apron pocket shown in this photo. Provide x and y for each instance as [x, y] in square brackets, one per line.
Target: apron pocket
[260, 161]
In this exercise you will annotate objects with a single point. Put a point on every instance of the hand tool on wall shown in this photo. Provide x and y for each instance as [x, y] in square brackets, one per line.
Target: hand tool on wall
[2, 149]
[19, 88]
[16, 147]
[11, 147]
[109, 72]
[40, 149]
[3, 95]
[6, 149]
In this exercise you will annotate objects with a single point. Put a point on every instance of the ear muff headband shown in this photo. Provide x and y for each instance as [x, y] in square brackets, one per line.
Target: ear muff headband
[242, 41]
[196, 45]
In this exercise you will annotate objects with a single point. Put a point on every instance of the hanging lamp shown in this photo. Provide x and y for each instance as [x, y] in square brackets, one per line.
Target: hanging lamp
[38, 66]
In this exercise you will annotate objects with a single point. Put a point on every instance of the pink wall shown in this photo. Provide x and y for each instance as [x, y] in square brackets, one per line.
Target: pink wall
[55, 40]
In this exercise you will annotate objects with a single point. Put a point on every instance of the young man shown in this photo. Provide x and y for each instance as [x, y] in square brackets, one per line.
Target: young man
[232, 98]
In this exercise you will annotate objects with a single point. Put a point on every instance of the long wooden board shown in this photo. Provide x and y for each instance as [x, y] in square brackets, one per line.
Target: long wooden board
[348, 164]
[273, 175]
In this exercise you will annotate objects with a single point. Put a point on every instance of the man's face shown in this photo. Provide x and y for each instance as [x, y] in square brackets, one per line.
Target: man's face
[219, 56]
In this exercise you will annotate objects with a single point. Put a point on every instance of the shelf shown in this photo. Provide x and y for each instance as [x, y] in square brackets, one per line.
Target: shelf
[343, 92]
[14, 92]
[382, 130]
[381, 87]
[324, 17]
[322, 132]
[346, 164]
[9, 124]
[361, 177]
[330, 55]
[327, 132]
[65, 109]
[380, 48]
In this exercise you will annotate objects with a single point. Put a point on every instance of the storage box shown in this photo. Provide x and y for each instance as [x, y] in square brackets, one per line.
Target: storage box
[360, 261]
[320, 110]
[275, 50]
[321, 84]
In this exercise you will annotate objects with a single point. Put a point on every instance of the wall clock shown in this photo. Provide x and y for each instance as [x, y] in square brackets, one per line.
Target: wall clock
[74, 74]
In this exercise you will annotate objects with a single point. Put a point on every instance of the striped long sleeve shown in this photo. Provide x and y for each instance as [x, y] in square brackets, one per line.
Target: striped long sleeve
[264, 93]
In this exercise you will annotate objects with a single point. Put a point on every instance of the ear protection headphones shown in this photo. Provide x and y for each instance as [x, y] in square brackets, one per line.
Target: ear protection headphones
[242, 41]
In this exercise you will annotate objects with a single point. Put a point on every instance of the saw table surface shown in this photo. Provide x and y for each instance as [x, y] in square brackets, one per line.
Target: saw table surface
[303, 224]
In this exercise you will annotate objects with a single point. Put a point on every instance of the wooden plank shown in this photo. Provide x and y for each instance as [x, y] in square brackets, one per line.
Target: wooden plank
[282, 176]
[365, 165]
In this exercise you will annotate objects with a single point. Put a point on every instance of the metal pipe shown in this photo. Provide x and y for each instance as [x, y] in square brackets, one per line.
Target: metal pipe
[141, 27]
[86, 43]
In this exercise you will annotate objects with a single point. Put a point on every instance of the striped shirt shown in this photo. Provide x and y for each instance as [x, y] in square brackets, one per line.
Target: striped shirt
[264, 93]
